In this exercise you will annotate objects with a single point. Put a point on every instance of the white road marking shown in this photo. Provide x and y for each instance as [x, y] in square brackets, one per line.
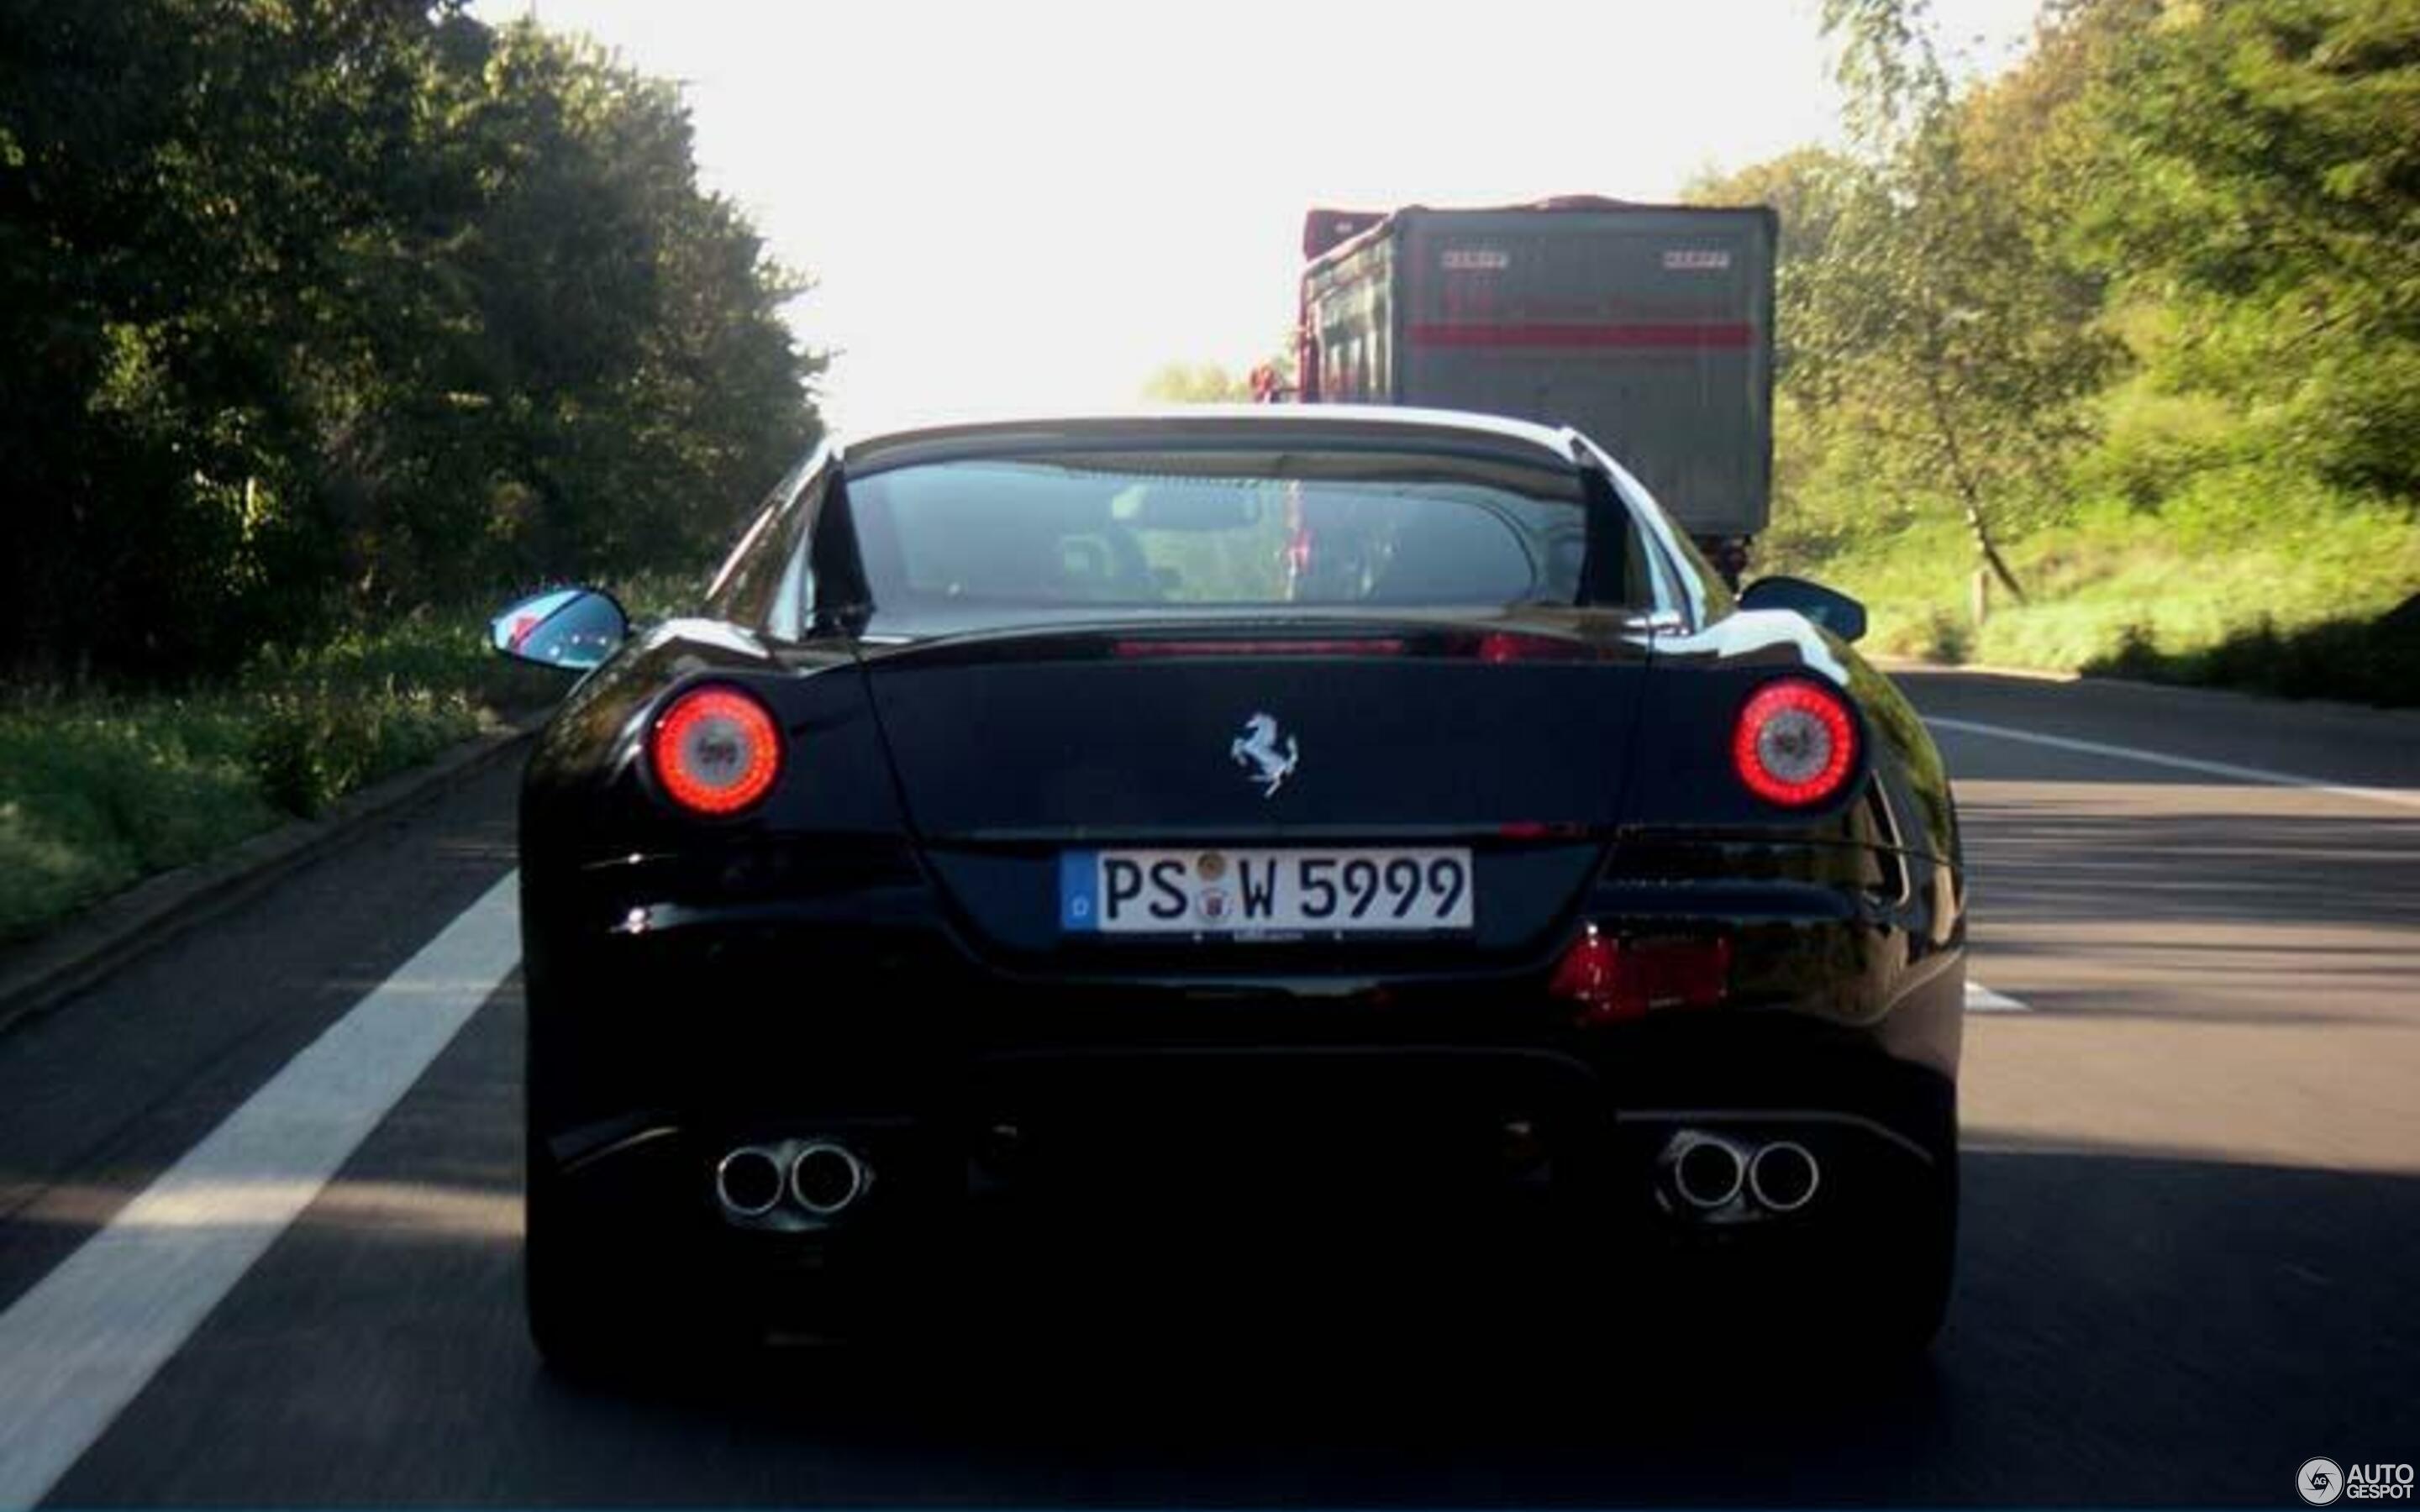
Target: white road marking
[2401, 797]
[1982, 1000]
[76, 1349]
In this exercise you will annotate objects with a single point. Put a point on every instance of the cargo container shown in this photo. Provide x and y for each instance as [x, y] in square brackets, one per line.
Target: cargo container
[1648, 328]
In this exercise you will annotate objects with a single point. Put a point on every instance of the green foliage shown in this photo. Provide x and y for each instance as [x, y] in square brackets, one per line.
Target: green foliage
[1196, 383]
[99, 790]
[1946, 639]
[1212, 384]
[2142, 313]
[1930, 326]
[2354, 659]
[94, 794]
[368, 705]
[2278, 228]
[320, 312]
[313, 744]
[2153, 588]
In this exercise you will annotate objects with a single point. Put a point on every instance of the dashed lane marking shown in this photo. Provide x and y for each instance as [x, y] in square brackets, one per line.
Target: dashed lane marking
[1982, 1000]
[76, 1349]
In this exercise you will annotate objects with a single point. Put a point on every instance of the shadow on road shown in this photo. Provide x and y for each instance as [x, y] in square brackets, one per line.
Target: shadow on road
[2129, 1330]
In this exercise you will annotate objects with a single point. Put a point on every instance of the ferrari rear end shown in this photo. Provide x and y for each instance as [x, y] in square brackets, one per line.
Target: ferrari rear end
[1274, 828]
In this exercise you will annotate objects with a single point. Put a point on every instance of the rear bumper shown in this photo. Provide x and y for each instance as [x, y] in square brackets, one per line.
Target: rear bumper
[1434, 1114]
[984, 1144]
[1447, 1109]
[1237, 1203]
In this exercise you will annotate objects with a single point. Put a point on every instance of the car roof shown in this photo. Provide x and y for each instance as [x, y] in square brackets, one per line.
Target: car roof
[1181, 425]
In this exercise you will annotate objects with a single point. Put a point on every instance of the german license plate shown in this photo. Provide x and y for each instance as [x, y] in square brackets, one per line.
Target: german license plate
[1338, 891]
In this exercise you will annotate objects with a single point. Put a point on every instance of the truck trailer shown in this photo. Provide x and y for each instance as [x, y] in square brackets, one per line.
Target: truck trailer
[1648, 328]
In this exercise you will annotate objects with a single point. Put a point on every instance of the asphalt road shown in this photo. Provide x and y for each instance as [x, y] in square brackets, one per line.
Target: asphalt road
[2192, 1208]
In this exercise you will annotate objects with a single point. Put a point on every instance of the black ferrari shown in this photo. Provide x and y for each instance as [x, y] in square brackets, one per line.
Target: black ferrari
[1227, 822]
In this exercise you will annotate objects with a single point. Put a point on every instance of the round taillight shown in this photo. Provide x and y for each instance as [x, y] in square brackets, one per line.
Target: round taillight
[715, 750]
[1795, 744]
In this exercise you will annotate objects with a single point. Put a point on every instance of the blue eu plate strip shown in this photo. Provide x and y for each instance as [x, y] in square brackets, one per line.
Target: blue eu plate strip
[1078, 878]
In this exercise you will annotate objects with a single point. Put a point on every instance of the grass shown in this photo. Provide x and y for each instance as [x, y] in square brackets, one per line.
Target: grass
[99, 790]
[2301, 601]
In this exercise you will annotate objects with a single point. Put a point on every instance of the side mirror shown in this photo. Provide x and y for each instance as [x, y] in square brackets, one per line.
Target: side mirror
[1834, 610]
[573, 628]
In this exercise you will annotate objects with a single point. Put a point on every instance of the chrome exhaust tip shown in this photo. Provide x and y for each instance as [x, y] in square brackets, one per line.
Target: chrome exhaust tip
[827, 1179]
[748, 1181]
[1706, 1172]
[1783, 1175]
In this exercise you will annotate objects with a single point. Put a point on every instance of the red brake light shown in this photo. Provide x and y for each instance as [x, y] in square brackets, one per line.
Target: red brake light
[1505, 645]
[1590, 973]
[716, 750]
[1355, 646]
[1616, 981]
[1795, 744]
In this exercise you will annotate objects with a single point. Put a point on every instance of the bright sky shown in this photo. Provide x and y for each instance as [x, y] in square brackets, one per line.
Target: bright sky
[1035, 203]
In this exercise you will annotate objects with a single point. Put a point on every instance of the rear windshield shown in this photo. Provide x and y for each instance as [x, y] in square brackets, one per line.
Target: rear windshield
[1225, 528]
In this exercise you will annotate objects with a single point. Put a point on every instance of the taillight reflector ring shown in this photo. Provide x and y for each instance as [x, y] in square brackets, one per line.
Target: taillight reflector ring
[715, 750]
[1795, 743]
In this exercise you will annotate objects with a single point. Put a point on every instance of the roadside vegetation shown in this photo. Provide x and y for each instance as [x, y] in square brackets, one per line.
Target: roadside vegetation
[101, 788]
[1196, 383]
[333, 325]
[2131, 332]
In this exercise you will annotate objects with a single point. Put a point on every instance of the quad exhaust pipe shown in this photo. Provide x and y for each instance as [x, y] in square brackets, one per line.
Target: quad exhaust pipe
[1705, 1171]
[827, 1179]
[1782, 1175]
[817, 1179]
[1717, 1177]
[748, 1181]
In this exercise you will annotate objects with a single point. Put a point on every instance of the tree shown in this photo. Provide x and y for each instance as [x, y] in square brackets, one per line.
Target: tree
[1196, 383]
[330, 307]
[2255, 172]
[1936, 311]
